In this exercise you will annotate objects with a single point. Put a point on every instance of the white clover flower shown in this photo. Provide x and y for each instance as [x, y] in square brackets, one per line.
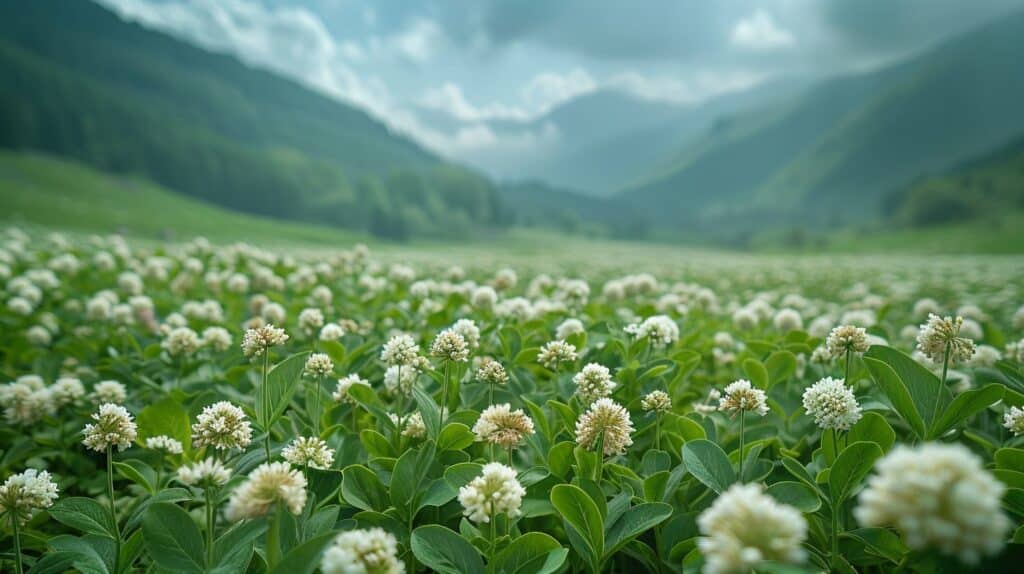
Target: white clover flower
[788, 320]
[469, 331]
[847, 338]
[660, 330]
[113, 427]
[985, 356]
[450, 346]
[109, 392]
[344, 384]
[216, 338]
[331, 332]
[1015, 351]
[38, 336]
[270, 484]
[609, 420]
[164, 443]
[568, 328]
[22, 494]
[491, 372]
[273, 313]
[1013, 420]
[222, 426]
[554, 353]
[67, 391]
[745, 527]
[309, 451]
[505, 279]
[206, 473]
[181, 341]
[258, 340]
[925, 307]
[500, 425]
[367, 551]
[657, 401]
[938, 333]
[742, 396]
[484, 297]
[832, 404]
[593, 382]
[400, 350]
[939, 496]
[414, 425]
[745, 318]
[495, 491]
[20, 306]
[709, 405]
[311, 320]
[318, 366]
[25, 403]
[408, 374]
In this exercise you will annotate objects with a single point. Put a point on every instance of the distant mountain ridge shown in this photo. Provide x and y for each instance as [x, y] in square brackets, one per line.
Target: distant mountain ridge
[838, 149]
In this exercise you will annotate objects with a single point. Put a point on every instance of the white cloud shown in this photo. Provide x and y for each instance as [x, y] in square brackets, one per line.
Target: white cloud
[419, 41]
[547, 90]
[759, 31]
[675, 90]
[450, 99]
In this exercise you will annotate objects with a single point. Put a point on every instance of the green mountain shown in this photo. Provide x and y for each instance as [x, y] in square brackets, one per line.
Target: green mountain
[834, 153]
[984, 188]
[77, 81]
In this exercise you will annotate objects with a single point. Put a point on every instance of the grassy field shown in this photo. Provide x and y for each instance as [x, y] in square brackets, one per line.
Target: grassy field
[47, 192]
[38, 190]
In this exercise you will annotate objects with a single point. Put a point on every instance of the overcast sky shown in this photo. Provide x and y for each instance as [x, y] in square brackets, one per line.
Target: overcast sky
[445, 72]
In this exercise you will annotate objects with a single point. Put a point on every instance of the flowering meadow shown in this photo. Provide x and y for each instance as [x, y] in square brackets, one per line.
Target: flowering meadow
[228, 409]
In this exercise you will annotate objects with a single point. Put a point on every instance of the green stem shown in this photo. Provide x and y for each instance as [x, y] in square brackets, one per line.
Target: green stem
[743, 429]
[510, 455]
[316, 408]
[444, 389]
[113, 510]
[657, 431]
[945, 363]
[266, 404]
[18, 567]
[211, 517]
[835, 534]
[490, 394]
[273, 538]
[849, 355]
[494, 537]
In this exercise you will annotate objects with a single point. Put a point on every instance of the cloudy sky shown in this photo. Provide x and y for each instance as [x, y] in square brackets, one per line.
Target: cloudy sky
[448, 72]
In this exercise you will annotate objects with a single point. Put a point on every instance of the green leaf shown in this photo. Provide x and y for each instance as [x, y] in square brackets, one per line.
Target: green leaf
[455, 436]
[444, 551]
[531, 553]
[880, 541]
[408, 477]
[282, 382]
[756, 372]
[795, 494]
[872, 427]
[635, 522]
[583, 521]
[852, 465]
[133, 474]
[966, 405]
[84, 554]
[304, 558]
[560, 459]
[173, 539]
[891, 384]
[165, 417]
[429, 411]
[780, 366]
[926, 391]
[1010, 459]
[708, 463]
[233, 550]
[461, 474]
[361, 488]
[84, 514]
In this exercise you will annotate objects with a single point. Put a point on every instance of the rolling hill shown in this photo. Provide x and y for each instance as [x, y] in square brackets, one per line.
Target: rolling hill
[77, 81]
[831, 155]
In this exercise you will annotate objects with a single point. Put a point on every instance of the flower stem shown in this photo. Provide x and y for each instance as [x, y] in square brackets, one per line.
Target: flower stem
[743, 422]
[266, 404]
[17, 544]
[211, 517]
[849, 355]
[113, 511]
[835, 534]
[657, 431]
[494, 537]
[444, 389]
[273, 538]
[316, 408]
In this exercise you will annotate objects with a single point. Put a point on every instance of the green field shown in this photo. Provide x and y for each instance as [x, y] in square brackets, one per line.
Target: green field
[38, 190]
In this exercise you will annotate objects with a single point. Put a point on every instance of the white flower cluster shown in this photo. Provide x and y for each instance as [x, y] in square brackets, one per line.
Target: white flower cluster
[26, 400]
[491, 372]
[660, 330]
[400, 350]
[606, 419]
[318, 366]
[206, 473]
[745, 527]
[593, 382]
[940, 333]
[223, 426]
[450, 346]
[344, 384]
[258, 340]
[847, 338]
[554, 353]
[309, 451]
[23, 493]
[365, 551]
[500, 425]
[495, 491]
[1013, 420]
[742, 396]
[269, 484]
[469, 331]
[164, 443]
[657, 401]
[113, 427]
[832, 404]
[181, 342]
[109, 392]
[939, 496]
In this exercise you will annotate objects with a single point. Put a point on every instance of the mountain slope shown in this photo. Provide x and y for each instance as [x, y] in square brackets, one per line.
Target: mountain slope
[77, 81]
[837, 150]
